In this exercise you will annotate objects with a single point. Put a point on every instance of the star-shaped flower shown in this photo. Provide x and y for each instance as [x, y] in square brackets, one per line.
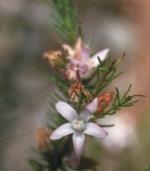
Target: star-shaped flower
[81, 63]
[78, 125]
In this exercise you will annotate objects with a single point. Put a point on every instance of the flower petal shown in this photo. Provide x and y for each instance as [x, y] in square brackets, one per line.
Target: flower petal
[92, 107]
[66, 111]
[78, 48]
[95, 130]
[102, 56]
[78, 143]
[61, 131]
[85, 115]
[85, 54]
[89, 110]
[69, 50]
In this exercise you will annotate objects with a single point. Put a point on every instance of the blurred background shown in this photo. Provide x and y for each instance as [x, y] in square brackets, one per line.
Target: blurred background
[26, 32]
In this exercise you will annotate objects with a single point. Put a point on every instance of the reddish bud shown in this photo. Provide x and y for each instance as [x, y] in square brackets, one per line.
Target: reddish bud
[42, 136]
[104, 100]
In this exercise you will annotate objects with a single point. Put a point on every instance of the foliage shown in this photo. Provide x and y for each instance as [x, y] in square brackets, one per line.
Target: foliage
[121, 101]
[106, 72]
[66, 20]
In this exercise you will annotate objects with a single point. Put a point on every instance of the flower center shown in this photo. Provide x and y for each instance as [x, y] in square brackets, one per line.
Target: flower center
[78, 125]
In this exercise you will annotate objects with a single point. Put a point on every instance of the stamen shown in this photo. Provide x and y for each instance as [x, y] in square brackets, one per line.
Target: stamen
[78, 125]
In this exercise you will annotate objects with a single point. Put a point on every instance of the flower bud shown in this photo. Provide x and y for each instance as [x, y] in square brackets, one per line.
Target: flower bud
[54, 57]
[42, 136]
[104, 100]
[76, 91]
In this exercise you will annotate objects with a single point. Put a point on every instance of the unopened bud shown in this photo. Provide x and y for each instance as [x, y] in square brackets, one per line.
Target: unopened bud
[76, 91]
[54, 57]
[104, 100]
[42, 136]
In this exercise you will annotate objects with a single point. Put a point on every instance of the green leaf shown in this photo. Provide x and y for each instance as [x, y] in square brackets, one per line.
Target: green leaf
[66, 20]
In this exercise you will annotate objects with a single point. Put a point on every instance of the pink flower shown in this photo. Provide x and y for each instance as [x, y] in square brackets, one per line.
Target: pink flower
[78, 125]
[81, 63]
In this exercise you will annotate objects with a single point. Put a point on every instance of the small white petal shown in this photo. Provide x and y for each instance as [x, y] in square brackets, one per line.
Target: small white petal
[78, 46]
[101, 55]
[85, 115]
[61, 131]
[78, 143]
[95, 130]
[92, 107]
[89, 110]
[66, 111]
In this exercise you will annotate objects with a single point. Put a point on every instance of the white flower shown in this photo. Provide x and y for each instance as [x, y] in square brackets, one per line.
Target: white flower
[80, 60]
[78, 125]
